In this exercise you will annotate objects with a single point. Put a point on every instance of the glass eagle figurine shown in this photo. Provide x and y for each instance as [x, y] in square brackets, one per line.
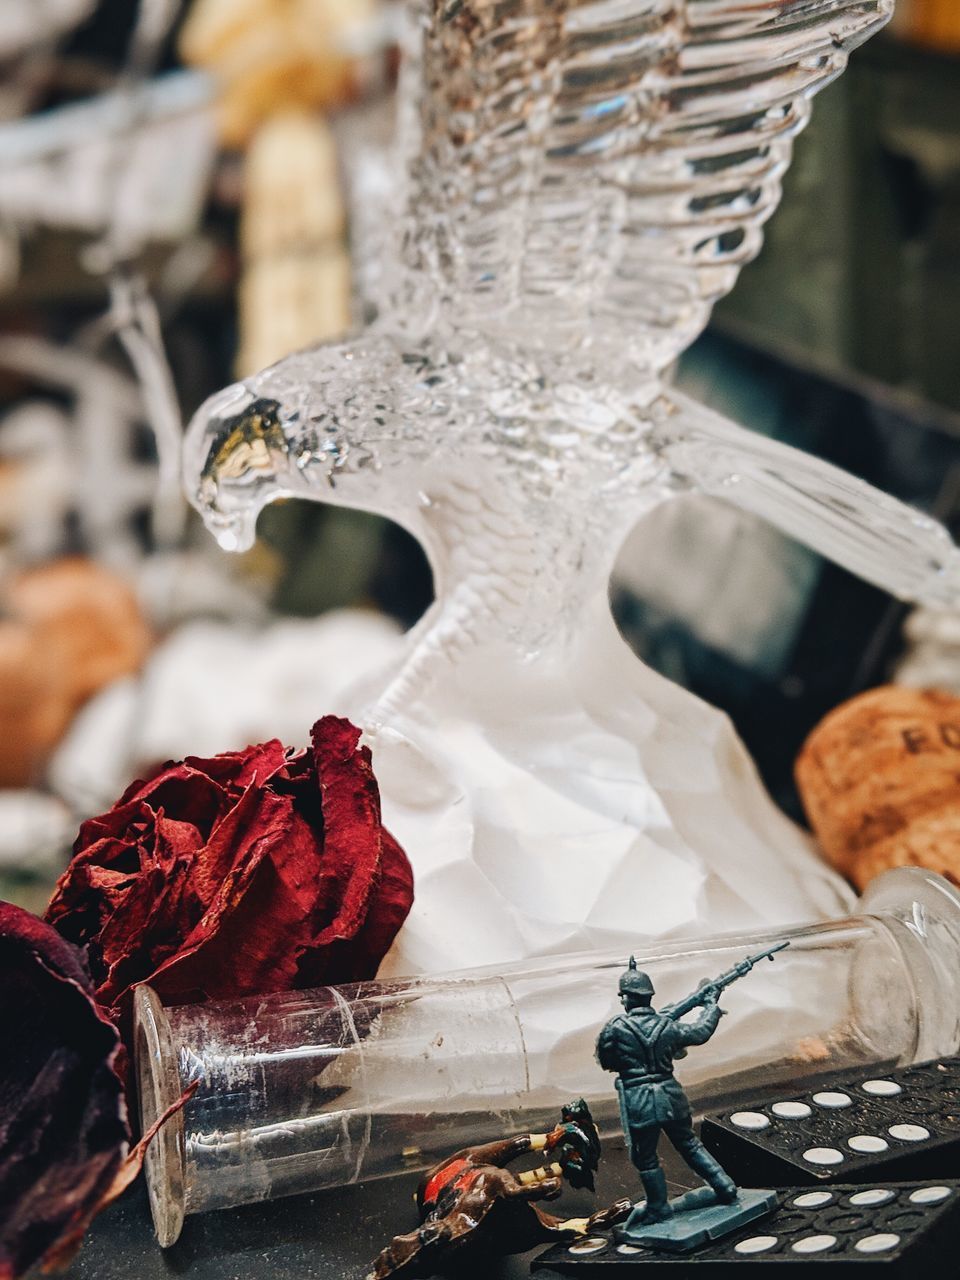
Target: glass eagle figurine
[577, 182]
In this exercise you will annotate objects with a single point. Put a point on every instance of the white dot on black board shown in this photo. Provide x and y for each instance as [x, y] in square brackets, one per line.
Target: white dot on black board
[823, 1155]
[873, 1196]
[592, 1244]
[929, 1195]
[755, 1244]
[750, 1120]
[879, 1243]
[867, 1143]
[832, 1100]
[881, 1088]
[792, 1110]
[909, 1132]
[813, 1244]
[812, 1199]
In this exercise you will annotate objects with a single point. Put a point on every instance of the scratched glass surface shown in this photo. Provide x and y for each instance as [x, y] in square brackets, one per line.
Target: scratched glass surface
[576, 183]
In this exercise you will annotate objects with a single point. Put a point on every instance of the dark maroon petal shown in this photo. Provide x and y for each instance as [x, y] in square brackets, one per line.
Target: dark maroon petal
[351, 826]
[242, 769]
[249, 939]
[59, 1256]
[63, 1121]
[181, 789]
[356, 958]
[389, 907]
[143, 929]
[368, 882]
[256, 871]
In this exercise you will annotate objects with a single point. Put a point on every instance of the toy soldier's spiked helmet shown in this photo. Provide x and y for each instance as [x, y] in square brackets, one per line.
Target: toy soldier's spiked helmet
[634, 982]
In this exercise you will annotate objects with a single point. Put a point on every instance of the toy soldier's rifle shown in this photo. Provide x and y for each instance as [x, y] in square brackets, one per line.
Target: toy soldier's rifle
[707, 989]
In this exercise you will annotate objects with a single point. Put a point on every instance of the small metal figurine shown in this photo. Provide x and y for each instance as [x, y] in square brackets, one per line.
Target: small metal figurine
[641, 1045]
[472, 1200]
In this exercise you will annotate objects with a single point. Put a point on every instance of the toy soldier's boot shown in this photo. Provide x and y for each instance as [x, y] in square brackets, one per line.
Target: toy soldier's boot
[655, 1186]
[713, 1173]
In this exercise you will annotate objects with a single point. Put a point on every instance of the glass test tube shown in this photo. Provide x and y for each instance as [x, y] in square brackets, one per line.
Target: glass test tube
[312, 1089]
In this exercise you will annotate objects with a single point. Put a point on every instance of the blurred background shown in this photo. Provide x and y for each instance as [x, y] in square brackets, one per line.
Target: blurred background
[187, 193]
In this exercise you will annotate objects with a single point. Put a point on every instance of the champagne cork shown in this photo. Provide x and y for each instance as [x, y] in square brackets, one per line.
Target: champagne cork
[35, 706]
[73, 627]
[87, 620]
[880, 781]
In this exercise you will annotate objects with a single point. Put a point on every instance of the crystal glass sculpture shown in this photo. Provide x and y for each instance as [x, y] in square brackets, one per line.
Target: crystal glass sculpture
[577, 182]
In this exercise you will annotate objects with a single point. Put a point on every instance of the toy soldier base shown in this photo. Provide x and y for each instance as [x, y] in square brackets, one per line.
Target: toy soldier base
[696, 1218]
[640, 1045]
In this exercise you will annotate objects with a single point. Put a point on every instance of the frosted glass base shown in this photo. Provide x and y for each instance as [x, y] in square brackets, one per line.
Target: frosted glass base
[549, 807]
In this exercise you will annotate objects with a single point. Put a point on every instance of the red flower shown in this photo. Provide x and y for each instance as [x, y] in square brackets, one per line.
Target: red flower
[252, 872]
[63, 1120]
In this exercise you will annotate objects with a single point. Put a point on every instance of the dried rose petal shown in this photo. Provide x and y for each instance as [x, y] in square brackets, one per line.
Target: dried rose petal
[255, 871]
[367, 870]
[63, 1119]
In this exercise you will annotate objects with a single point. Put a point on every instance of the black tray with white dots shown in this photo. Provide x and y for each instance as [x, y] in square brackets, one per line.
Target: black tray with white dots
[889, 1231]
[904, 1124]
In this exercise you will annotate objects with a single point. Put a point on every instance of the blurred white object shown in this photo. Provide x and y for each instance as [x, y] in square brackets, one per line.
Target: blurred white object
[60, 168]
[932, 660]
[27, 23]
[36, 832]
[35, 496]
[176, 586]
[83, 462]
[215, 687]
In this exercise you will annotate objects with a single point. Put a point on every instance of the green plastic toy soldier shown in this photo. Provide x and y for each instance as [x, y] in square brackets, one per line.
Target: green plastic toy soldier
[641, 1045]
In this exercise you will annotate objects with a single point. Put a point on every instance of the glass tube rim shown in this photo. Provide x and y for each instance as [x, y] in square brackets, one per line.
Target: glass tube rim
[158, 1089]
[926, 907]
[900, 889]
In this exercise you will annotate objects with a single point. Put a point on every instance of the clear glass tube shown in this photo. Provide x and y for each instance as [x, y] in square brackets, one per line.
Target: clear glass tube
[312, 1089]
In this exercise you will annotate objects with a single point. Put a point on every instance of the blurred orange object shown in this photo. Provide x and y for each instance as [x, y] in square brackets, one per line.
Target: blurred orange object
[34, 707]
[268, 55]
[933, 23]
[296, 277]
[880, 781]
[73, 626]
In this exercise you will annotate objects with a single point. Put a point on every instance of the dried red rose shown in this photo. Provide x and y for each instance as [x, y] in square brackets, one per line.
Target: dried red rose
[255, 871]
[63, 1119]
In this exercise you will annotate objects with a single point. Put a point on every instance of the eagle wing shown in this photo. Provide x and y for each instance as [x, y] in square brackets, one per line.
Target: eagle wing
[591, 166]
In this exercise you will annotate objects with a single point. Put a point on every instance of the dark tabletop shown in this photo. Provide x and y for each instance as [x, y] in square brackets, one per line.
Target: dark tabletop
[332, 1235]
